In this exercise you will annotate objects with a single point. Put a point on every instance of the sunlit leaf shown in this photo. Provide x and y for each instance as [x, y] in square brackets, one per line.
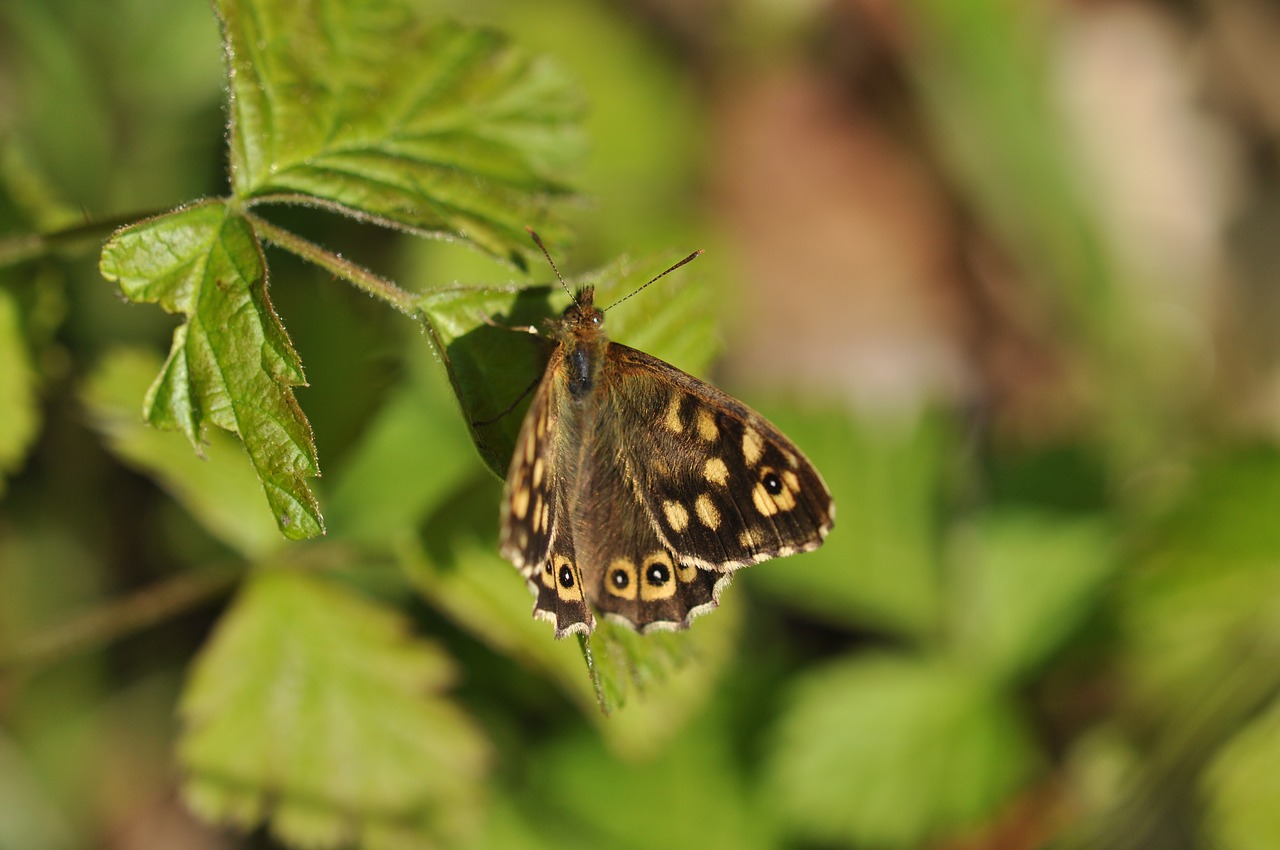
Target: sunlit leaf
[376, 109]
[20, 419]
[33, 818]
[314, 710]
[1243, 788]
[888, 751]
[650, 685]
[690, 794]
[231, 363]
[1024, 582]
[1208, 591]
[412, 456]
[220, 490]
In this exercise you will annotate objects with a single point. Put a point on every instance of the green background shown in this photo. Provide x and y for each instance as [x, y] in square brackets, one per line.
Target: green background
[1005, 273]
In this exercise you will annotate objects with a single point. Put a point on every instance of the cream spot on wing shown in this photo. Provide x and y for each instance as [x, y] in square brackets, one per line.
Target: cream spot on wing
[686, 572]
[791, 459]
[770, 503]
[530, 447]
[538, 469]
[542, 425]
[752, 446]
[763, 501]
[749, 538]
[546, 516]
[716, 471]
[672, 417]
[786, 500]
[520, 502]
[537, 514]
[707, 429]
[708, 514]
[792, 480]
[676, 514]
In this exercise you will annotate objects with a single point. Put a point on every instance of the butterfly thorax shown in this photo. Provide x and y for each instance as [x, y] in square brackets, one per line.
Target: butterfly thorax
[580, 333]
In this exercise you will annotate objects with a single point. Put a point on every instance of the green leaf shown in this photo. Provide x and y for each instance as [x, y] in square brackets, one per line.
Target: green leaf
[437, 128]
[879, 567]
[889, 751]
[19, 423]
[220, 490]
[690, 795]
[651, 685]
[490, 364]
[1207, 591]
[372, 499]
[1025, 582]
[1243, 788]
[313, 708]
[231, 361]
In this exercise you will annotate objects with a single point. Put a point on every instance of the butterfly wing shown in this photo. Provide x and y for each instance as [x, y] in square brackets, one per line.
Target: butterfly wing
[536, 533]
[722, 487]
[629, 572]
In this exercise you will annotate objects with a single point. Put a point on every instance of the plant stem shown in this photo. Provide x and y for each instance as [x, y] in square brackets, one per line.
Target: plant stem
[117, 618]
[20, 247]
[379, 287]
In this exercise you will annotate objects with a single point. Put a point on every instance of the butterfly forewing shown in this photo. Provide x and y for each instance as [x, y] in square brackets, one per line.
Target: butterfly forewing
[536, 532]
[724, 488]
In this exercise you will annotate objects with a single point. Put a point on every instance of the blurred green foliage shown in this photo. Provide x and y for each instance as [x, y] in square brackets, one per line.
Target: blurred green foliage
[1013, 638]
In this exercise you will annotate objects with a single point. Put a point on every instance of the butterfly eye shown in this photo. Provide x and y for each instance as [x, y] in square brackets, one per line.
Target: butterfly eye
[566, 576]
[657, 573]
[772, 483]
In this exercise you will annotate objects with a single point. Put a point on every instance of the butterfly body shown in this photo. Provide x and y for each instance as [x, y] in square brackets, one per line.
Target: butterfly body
[636, 489]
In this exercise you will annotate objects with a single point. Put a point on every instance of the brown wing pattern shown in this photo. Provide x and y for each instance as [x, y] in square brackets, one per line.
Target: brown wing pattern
[629, 572]
[536, 533]
[723, 487]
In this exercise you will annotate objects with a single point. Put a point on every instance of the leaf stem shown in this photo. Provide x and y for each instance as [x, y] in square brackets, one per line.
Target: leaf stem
[118, 618]
[379, 287]
[20, 247]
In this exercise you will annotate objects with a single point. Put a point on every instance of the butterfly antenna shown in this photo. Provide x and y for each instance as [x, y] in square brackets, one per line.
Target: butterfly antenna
[537, 240]
[656, 278]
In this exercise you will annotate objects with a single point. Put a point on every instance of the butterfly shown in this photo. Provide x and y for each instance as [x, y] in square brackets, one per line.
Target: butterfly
[636, 490]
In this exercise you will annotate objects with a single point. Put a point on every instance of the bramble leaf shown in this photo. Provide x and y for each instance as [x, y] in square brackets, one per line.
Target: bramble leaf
[231, 362]
[1027, 580]
[313, 709]
[436, 128]
[890, 751]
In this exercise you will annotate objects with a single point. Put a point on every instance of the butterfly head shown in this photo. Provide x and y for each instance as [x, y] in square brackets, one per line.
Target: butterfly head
[583, 312]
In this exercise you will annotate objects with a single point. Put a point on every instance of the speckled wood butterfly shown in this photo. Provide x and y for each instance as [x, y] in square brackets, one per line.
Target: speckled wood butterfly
[636, 490]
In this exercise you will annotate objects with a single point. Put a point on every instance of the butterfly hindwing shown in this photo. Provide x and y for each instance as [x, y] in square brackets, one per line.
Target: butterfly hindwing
[629, 571]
